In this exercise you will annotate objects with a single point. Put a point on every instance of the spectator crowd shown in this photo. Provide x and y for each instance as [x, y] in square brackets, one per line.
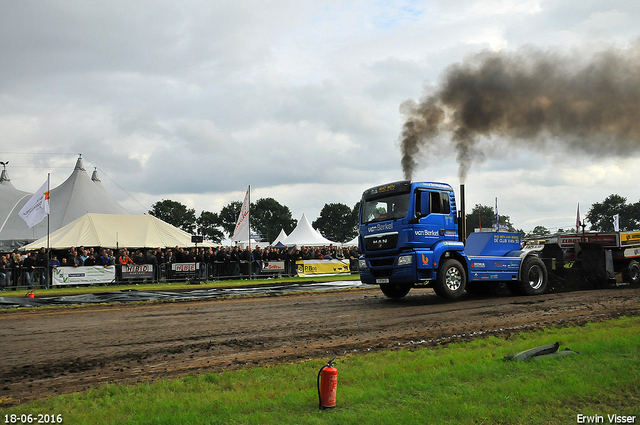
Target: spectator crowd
[30, 268]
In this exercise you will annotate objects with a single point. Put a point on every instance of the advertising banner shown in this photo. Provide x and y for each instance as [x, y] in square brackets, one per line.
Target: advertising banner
[137, 271]
[86, 275]
[273, 267]
[318, 267]
[630, 238]
[185, 268]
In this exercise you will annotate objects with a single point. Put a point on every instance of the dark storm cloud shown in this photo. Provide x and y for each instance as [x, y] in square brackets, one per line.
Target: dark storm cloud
[529, 98]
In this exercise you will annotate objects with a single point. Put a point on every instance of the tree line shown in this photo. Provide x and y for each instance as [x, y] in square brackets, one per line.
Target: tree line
[599, 217]
[336, 222]
[339, 222]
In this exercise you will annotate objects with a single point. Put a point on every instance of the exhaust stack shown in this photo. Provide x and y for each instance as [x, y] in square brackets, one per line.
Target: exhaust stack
[462, 217]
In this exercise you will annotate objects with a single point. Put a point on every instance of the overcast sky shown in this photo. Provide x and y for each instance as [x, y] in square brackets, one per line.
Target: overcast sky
[195, 100]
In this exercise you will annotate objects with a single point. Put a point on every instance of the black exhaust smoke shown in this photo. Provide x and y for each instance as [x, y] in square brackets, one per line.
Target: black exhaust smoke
[529, 98]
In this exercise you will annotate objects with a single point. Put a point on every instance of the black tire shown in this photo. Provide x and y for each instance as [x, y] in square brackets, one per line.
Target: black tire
[631, 273]
[395, 291]
[533, 276]
[451, 280]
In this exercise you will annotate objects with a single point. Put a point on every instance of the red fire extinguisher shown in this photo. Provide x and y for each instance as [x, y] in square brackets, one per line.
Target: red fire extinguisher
[327, 385]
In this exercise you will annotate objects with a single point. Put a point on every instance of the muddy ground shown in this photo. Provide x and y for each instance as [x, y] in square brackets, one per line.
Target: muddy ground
[48, 351]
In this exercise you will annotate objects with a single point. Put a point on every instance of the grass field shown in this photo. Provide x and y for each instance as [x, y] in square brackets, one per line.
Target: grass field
[461, 383]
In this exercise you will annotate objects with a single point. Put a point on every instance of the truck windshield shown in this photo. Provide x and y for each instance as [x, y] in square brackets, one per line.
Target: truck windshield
[386, 208]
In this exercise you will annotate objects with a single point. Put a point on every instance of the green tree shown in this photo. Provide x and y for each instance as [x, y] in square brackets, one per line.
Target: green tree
[209, 226]
[538, 231]
[267, 217]
[228, 216]
[601, 214]
[337, 222]
[483, 216]
[176, 214]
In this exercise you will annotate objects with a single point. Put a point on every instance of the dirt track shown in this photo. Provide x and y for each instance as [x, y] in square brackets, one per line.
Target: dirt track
[60, 350]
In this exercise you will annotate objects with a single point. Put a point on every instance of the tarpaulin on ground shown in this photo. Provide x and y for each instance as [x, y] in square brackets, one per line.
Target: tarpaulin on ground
[134, 295]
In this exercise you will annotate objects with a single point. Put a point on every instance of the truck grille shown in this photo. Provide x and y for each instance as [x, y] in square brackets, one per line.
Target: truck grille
[382, 272]
[383, 241]
[382, 262]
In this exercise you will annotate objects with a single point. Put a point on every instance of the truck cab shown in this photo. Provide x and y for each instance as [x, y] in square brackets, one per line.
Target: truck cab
[405, 227]
[409, 235]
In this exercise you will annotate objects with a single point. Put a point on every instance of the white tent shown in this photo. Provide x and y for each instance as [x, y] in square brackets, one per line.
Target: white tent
[352, 242]
[281, 238]
[115, 230]
[305, 235]
[76, 196]
[11, 201]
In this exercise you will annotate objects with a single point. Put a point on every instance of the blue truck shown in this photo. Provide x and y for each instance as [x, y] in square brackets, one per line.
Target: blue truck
[410, 235]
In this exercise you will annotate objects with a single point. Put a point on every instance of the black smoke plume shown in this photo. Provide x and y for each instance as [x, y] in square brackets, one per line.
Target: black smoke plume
[530, 98]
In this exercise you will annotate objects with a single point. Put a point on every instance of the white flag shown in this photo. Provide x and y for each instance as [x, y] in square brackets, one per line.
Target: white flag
[241, 232]
[616, 223]
[37, 208]
[578, 222]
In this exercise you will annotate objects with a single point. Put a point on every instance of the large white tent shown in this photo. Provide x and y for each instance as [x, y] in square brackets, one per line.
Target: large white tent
[305, 235]
[77, 195]
[116, 230]
[11, 201]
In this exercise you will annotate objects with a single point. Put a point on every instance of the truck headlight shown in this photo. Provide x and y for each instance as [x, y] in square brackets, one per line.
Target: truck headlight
[362, 264]
[405, 259]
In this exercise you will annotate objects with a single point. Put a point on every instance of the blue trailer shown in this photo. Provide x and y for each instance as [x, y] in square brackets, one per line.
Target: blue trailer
[409, 236]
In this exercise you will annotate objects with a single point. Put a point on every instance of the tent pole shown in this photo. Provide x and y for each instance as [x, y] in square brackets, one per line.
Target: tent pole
[48, 257]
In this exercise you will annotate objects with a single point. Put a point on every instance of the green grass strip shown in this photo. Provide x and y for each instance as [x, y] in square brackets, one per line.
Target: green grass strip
[461, 383]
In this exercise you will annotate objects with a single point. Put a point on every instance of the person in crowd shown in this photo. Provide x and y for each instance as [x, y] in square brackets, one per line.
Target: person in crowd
[83, 254]
[123, 257]
[76, 260]
[29, 268]
[169, 260]
[209, 258]
[221, 263]
[3, 272]
[16, 270]
[105, 259]
[91, 260]
[42, 261]
[151, 259]
[64, 262]
[54, 263]
[234, 261]
[245, 262]
[257, 260]
[138, 258]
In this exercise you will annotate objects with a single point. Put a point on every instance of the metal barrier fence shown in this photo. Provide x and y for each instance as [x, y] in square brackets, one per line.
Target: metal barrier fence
[23, 278]
[36, 277]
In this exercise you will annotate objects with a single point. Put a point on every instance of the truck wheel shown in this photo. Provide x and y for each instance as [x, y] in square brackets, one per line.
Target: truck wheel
[533, 276]
[396, 291]
[632, 273]
[451, 280]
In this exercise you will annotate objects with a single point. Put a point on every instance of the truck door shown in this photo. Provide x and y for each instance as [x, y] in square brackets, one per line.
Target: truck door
[433, 210]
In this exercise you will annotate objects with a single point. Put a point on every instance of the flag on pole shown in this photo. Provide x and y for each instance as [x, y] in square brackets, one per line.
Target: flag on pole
[37, 208]
[496, 225]
[616, 223]
[241, 232]
[578, 222]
